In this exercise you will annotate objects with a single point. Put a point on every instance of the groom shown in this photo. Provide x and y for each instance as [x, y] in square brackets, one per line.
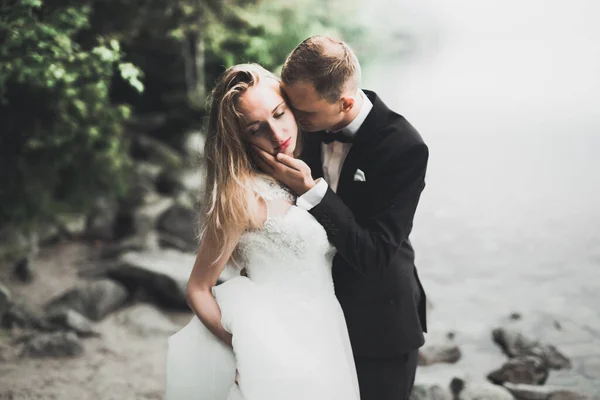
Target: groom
[371, 163]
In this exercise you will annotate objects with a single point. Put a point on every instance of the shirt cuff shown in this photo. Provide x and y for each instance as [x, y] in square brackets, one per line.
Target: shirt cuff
[314, 196]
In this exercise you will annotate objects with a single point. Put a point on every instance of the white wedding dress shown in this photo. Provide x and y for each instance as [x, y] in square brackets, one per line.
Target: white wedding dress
[290, 340]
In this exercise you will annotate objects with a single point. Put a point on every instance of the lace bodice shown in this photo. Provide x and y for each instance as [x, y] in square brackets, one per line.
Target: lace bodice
[291, 250]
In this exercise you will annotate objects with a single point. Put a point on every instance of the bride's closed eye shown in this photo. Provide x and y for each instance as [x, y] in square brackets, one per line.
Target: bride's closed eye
[255, 128]
[279, 113]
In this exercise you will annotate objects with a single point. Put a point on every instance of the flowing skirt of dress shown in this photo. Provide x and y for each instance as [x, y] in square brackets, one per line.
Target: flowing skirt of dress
[286, 346]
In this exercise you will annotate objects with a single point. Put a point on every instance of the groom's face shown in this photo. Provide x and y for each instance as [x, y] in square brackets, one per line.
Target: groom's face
[312, 112]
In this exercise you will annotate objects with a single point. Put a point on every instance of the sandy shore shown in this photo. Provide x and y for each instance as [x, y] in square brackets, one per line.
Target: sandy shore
[121, 364]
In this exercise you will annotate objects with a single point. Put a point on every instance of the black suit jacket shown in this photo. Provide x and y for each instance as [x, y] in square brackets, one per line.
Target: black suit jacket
[369, 222]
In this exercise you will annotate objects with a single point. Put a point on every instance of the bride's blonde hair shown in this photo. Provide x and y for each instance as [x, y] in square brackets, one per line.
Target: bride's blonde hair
[228, 197]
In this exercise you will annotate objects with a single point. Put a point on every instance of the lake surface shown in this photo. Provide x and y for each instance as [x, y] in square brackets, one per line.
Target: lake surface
[507, 96]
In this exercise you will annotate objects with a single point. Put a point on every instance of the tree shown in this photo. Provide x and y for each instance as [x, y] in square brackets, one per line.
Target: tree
[61, 143]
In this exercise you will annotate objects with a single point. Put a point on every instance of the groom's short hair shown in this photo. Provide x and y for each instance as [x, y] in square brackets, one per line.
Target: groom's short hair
[327, 63]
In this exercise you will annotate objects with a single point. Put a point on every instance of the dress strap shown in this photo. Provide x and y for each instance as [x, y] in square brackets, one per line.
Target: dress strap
[270, 189]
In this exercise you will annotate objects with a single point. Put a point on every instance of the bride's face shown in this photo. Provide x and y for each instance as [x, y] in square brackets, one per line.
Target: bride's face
[268, 123]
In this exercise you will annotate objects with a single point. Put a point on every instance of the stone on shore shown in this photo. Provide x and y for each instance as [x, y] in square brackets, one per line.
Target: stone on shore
[162, 274]
[478, 390]
[533, 392]
[439, 353]
[5, 300]
[68, 319]
[515, 344]
[59, 344]
[429, 392]
[95, 299]
[524, 369]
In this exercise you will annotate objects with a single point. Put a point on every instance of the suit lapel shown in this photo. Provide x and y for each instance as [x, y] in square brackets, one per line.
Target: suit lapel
[348, 169]
[365, 135]
[311, 153]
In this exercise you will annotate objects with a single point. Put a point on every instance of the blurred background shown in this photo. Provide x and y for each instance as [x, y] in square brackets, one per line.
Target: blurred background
[101, 133]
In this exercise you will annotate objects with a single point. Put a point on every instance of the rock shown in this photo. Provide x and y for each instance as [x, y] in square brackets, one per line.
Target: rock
[194, 145]
[95, 299]
[439, 353]
[145, 218]
[142, 191]
[429, 392]
[514, 344]
[111, 251]
[148, 171]
[137, 226]
[190, 200]
[533, 392]
[14, 244]
[24, 270]
[69, 319]
[7, 353]
[169, 183]
[524, 369]
[155, 151]
[192, 180]
[515, 316]
[145, 320]
[15, 316]
[181, 223]
[8, 395]
[72, 225]
[60, 344]
[163, 274]
[20, 316]
[166, 240]
[146, 178]
[150, 241]
[141, 123]
[456, 386]
[557, 325]
[101, 222]
[463, 390]
[5, 300]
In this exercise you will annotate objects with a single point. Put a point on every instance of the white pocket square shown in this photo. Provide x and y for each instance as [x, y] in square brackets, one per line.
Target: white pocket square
[359, 176]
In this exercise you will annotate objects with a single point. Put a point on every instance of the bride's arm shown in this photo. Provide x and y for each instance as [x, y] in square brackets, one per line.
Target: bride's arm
[203, 278]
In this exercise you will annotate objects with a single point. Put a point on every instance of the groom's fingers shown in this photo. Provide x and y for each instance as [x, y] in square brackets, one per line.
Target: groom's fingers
[265, 155]
[277, 164]
[290, 171]
[265, 160]
[265, 166]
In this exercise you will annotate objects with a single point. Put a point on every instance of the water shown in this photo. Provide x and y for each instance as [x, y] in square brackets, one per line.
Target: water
[507, 96]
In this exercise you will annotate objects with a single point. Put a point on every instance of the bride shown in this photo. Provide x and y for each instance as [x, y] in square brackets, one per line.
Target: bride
[281, 327]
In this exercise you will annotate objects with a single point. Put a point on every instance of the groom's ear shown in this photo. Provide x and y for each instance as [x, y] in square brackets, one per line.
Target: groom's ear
[347, 103]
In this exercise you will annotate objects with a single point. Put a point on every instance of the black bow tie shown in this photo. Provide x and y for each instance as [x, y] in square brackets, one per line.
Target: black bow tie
[336, 137]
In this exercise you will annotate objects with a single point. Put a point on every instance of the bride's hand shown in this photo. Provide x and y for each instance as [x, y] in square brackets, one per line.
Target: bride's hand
[228, 339]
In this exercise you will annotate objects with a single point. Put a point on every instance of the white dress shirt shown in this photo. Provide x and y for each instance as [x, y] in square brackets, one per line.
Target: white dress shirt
[333, 156]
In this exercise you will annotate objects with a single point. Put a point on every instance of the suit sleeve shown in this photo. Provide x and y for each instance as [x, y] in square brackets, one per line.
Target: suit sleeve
[371, 245]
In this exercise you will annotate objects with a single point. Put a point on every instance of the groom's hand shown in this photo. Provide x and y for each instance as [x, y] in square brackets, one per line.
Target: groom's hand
[290, 171]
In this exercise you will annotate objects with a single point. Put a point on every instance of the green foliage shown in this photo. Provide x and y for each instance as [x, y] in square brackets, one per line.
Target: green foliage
[67, 65]
[267, 31]
[61, 143]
